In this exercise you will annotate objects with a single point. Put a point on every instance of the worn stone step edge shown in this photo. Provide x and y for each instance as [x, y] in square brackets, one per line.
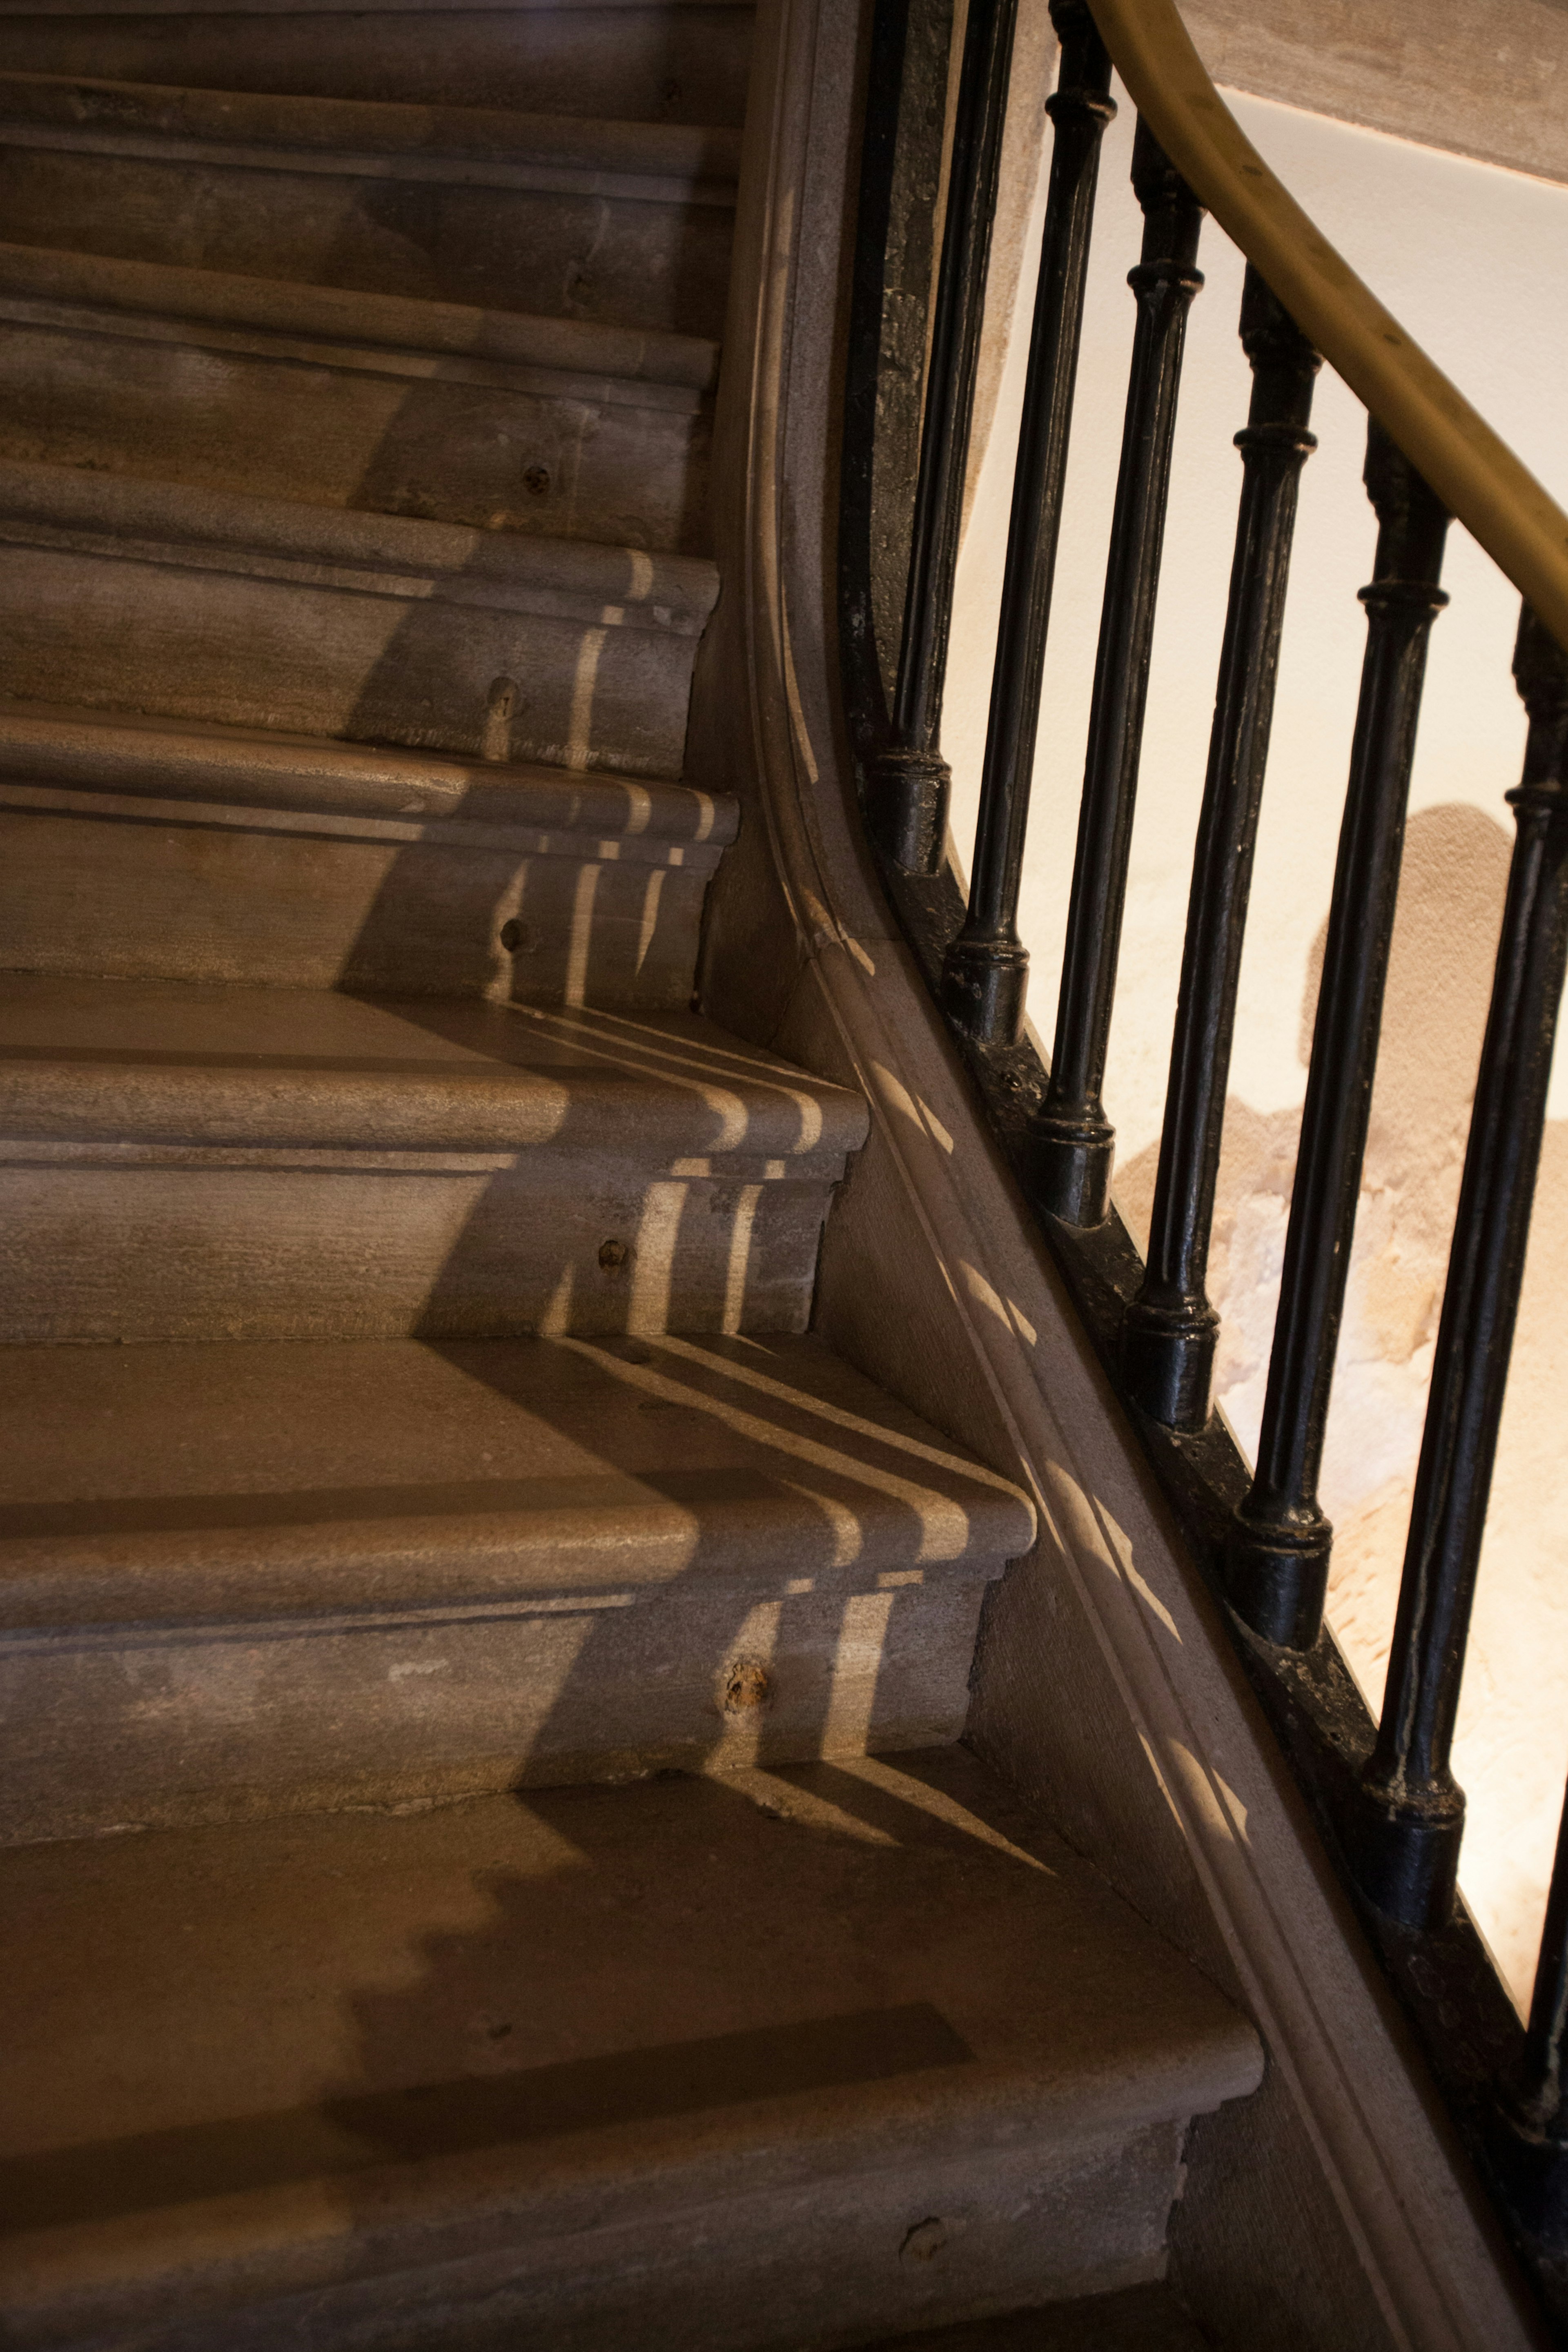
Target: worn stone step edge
[351, 7]
[624, 1548]
[86, 763]
[643, 1091]
[387, 333]
[239, 2255]
[615, 1537]
[77, 1111]
[662, 162]
[331, 824]
[367, 2239]
[234, 2258]
[129, 519]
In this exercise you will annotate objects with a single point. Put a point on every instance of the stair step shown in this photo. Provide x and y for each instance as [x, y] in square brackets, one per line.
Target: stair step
[628, 222]
[236, 1579]
[695, 163]
[268, 613]
[679, 63]
[187, 1162]
[1139, 2319]
[142, 849]
[492, 419]
[705, 2065]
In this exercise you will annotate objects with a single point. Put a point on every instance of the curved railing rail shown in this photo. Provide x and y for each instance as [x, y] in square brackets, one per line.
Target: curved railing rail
[1476, 474]
[1385, 1793]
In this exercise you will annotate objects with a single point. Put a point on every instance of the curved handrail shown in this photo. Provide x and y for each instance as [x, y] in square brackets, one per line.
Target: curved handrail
[1473, 471]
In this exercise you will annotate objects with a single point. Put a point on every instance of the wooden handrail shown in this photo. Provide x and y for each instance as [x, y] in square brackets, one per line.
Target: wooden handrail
[1473, 471]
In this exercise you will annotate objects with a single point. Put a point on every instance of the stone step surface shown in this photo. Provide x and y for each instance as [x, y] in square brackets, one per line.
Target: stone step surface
[704, 2064]
[183, 1162]
[195, 603]
[1138, 2319]
[679, 61]
[140, 849]
[626, 222]
[492, 419]
[241, 1580]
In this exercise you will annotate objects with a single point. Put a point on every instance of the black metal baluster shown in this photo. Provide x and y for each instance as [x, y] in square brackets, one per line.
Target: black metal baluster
[1169, 1334]
[1278, 1567]
[1074, 1140]
[1529, 2146]
[986, 970]
[910, 783]
[1404, 1829]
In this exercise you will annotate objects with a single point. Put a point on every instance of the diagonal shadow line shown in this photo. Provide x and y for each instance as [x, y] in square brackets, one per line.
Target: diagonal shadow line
[428, 2121]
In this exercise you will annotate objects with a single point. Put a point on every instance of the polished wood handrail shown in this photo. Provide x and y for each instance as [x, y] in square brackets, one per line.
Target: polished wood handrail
[1472, 470]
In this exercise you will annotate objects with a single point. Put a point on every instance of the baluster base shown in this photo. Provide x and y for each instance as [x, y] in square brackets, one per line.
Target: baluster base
[1529, 2157]
[1167, 1361]
[1404, 1854]
[907, 797]
[984, 985]
[1276, 1578]
[1072, 1160]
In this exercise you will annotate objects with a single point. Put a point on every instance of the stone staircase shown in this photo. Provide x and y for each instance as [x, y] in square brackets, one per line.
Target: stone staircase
[411, 1392]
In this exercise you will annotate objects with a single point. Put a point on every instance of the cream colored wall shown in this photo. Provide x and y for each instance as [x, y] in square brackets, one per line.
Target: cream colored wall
[1470, 258]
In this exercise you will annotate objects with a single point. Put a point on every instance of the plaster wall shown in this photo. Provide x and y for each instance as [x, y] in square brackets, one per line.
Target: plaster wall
[1469, 256]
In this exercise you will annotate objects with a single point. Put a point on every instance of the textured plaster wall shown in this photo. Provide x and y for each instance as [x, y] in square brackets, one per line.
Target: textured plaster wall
[1471, 257]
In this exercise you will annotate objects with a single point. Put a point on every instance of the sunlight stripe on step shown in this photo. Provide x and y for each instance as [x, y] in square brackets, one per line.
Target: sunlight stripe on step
[739, 1257]
[580, 728]
[653, 1260]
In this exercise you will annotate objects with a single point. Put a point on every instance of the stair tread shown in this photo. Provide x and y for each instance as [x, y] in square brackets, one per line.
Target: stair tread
[279, 1477]
[128, 517]
[578, 347]
[127, 752]
[608, 2000]
[83, 109]
[178, 1062]
[355, 7]
[1140, 2319]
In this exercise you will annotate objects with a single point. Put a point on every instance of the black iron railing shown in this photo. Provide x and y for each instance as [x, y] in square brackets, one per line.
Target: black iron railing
[1384, 1794]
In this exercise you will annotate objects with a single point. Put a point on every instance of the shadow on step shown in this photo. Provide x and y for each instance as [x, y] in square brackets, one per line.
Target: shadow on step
[1143, 2319]
[464, 2117]
[415, 1573]
[543, 928]
[714, 1228]
[522, 1970]
[824, 1574]
[858, 2044]
[663, 65]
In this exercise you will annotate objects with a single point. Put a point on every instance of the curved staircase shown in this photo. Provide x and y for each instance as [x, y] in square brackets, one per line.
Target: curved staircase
[412, 1396]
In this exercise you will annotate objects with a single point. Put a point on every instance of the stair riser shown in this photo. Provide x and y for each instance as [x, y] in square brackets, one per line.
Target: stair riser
[342, 434]
[111, 1728]
[627, 263]
[631, 65]
[826, 2260]
[397, 667]
[241, 900]
[318, 1248]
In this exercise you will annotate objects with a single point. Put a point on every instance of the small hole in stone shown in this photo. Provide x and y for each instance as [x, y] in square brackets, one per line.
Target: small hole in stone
[746, 1687]
[613, 1254]
[501, 705]
[536, 478]
[516, 938]
[924, 2241]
